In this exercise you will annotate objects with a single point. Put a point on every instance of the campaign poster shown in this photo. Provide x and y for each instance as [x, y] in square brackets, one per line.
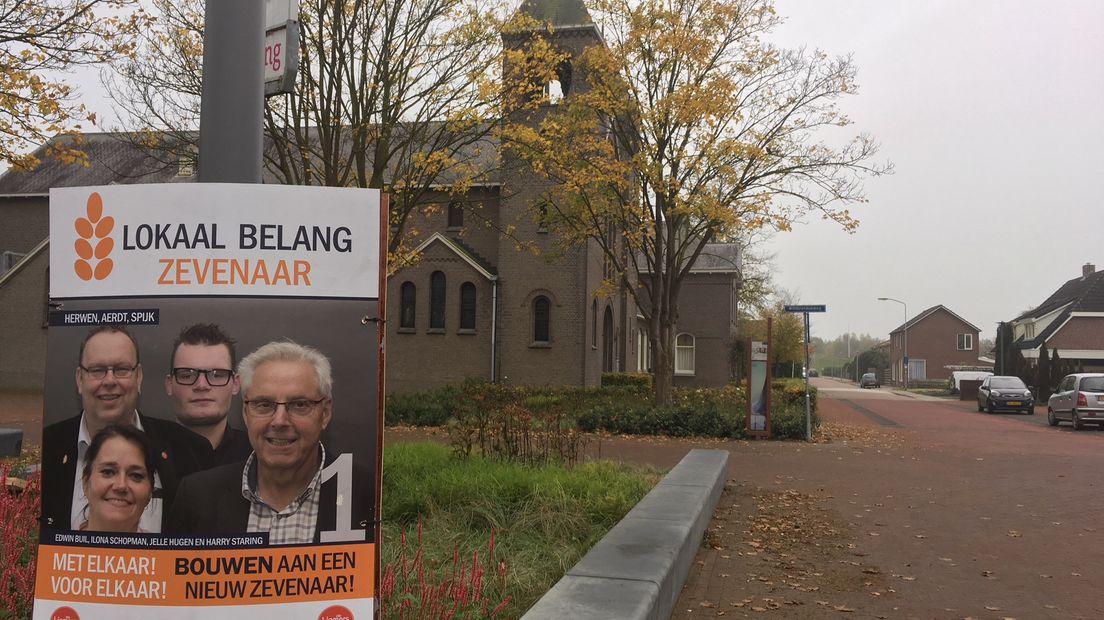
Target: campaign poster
[265, 264]
[759, 392]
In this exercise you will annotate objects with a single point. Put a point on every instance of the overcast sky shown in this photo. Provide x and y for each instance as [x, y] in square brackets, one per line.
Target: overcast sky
[993, 115]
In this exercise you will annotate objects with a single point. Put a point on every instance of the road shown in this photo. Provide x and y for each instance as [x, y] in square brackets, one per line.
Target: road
[915, 508]
[846, 391]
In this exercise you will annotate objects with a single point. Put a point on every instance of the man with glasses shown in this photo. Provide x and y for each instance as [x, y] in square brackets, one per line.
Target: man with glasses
[279, 489]
[109, 381]
[201, 385]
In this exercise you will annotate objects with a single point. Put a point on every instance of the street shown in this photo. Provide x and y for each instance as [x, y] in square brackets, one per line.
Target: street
[916, 508]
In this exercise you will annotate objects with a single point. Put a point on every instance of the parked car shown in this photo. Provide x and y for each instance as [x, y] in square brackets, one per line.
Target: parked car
[869, 380]
[998, 393]
[1079, 400]
[813, 372]
[968, 375]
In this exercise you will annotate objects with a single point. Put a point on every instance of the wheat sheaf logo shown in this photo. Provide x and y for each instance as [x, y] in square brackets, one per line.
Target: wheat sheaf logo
[93, 244]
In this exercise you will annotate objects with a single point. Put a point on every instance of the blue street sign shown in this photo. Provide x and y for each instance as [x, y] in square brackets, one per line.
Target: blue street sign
[813, 308]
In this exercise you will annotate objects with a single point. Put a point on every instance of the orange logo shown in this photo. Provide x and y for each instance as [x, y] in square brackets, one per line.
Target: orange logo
[336, 612]
[65, 613]
[93, 244]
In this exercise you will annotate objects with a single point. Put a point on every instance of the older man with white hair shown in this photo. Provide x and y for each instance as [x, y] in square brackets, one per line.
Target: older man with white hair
[281, 488]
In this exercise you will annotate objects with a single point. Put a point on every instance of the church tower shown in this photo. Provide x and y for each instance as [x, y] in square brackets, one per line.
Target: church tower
[557, 327]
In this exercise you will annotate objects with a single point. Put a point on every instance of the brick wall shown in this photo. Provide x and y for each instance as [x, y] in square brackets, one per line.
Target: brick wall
[22, 330]
[706, 310]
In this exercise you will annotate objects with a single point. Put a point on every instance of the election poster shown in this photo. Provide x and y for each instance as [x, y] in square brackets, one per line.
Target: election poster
[175, 486]
[759, 391]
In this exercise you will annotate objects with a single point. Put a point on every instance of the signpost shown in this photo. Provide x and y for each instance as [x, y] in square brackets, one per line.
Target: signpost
[281, 46]
[805, 310]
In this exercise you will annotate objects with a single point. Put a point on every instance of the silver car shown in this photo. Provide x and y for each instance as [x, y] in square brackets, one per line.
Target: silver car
[1079, 400]
[869, 380]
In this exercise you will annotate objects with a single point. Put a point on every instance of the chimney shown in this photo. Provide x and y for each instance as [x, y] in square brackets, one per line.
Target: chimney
[1087, 270]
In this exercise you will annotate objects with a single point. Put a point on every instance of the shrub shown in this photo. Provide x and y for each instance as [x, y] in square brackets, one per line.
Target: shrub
[788, 422]
[535, 424]
[642, 380]
[430, 408]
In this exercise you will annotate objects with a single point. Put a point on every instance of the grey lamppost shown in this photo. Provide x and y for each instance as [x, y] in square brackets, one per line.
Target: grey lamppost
[904, 336]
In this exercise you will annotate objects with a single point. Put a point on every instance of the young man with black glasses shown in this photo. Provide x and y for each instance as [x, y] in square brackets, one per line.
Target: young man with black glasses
[109, 382]
[201, 385]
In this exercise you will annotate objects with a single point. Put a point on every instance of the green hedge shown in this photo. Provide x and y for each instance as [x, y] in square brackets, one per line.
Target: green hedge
[640, 380]
[625, 408]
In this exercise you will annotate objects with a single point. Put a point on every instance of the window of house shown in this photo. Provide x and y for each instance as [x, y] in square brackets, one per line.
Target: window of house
[643, 354]
[1030, 329]
[467, 306]
[594, 324]
[407, 297]
[542, 317]
[554, 91]
[542, 221]
[8, 260]
[437, 300]
[965, 342]
[455, 214]
[684, 354]
[918, 369]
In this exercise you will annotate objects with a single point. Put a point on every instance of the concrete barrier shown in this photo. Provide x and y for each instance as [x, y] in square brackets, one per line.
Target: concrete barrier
[637, 570]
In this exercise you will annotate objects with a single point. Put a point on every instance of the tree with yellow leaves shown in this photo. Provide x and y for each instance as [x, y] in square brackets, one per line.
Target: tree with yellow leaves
[390, 94]
[39, 39]
[690, 130]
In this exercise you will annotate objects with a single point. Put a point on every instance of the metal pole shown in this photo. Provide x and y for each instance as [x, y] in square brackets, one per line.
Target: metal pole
[808, 411]
[232, 105]
[905, 335]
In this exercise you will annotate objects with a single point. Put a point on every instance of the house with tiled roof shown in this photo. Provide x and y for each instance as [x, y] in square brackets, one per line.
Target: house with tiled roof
[1070, 322]
[938, 342]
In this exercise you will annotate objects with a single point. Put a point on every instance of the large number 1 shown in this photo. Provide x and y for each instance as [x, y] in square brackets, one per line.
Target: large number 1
[342, 467]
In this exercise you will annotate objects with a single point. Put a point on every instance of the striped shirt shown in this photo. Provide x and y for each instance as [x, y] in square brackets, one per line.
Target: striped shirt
[296, 523]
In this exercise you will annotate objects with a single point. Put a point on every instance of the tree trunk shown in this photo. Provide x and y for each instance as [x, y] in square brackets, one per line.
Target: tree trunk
[663, 361]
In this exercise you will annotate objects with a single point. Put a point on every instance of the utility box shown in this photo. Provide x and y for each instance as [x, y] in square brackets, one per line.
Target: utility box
[968, 389]
[11, 442]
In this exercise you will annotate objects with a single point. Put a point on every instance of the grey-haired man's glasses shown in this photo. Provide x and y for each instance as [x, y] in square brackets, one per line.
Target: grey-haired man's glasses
[216, 377]
[265, 408]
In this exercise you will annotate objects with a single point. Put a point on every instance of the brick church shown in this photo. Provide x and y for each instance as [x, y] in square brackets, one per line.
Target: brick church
[472, 305]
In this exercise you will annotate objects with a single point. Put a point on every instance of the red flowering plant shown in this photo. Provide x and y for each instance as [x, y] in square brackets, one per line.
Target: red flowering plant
[20, 501]
[414, 587]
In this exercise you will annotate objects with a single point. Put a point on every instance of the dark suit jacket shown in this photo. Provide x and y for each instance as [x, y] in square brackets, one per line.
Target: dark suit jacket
[234, 447]
[177, 450]
[211, 502]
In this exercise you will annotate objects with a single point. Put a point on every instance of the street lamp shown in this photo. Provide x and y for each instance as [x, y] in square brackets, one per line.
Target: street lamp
[904, 336]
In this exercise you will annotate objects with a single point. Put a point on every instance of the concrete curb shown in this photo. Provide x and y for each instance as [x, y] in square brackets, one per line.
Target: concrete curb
[637, 570]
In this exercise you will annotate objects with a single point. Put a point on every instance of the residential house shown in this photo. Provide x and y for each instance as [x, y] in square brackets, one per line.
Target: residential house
[938, 342]
[1070, 322]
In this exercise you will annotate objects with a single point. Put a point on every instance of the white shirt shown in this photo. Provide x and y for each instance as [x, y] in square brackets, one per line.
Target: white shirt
[151, 517]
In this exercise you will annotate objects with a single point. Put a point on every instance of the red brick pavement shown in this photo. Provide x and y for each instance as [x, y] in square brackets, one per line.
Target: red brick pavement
[955, 514]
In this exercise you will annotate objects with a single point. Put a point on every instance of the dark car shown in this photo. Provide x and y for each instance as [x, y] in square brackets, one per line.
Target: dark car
[869, 380]
[998, 393]
[1079, 399]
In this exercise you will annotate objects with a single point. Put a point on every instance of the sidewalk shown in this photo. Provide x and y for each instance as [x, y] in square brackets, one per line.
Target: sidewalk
[22, 411]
